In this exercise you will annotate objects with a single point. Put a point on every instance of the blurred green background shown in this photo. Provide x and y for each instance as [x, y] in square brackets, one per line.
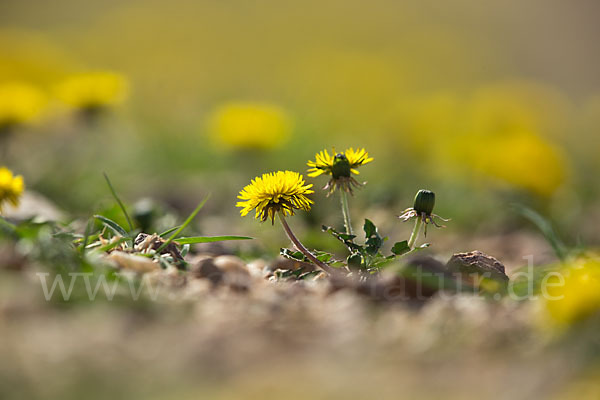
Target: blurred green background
[485, 103]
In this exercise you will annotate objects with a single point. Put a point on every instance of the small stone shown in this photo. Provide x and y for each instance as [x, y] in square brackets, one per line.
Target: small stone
[222, 270]
[476, 262]
[203, 267]
[236, 273]
[10, 258]
[133, 262]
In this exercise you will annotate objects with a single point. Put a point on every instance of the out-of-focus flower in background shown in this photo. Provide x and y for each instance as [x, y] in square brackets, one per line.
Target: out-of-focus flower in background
[579, 297]
[493, 133]
[20, 103]
[521, 159]
[11, 187]
[93, 90]
[250, 126]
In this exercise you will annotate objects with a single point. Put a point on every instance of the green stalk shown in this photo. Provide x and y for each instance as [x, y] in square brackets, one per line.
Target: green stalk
[415, 233]
[346, 212]
[301, 247]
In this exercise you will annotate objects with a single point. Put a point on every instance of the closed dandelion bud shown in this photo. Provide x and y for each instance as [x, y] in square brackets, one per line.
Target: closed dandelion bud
[354, 261]
[341, 166]
[424, 202]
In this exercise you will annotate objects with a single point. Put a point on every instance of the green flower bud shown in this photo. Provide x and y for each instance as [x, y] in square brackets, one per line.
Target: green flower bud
[424, 202]
[354, 261]
[340, 167]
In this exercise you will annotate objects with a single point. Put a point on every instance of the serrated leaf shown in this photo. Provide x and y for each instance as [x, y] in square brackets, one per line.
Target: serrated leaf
[344, 238]
[292, 255]
[373, 240]
[309, 274]
[323, 256]
[369, 228]
[400, 248]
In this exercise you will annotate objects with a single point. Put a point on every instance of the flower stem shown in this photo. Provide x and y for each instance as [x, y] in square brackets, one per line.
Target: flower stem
[415, 233]
[303, 249]
[346, 212]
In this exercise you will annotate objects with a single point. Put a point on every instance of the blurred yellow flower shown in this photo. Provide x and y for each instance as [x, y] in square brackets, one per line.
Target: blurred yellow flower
[20, 103]
[281, 191]
[494, 133]
[579, 297]
[258, 126]
[11, 187]
[93, 90]
[520, 158]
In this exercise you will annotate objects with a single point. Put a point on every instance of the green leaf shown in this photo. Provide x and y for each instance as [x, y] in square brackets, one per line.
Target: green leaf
[400, 248]
[323, 256]
[185, 250]
[373, 240]
[209, 239]
[344, 238]
[369, 228]
[6, 227]
[112, 225]
[292, 255]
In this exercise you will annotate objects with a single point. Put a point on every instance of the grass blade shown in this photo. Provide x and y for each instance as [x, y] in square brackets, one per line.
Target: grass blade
[184, 225]
[545, 228]
[165, 233]
[86, 235]
[111, 246]
[112, 225]
[119, 202]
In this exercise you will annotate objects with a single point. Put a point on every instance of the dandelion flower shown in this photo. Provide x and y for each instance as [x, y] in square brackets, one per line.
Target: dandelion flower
[20, 103]
[578, 297]
[250, 126]
[11, 187]
[340, 166]
[93, 90]
[282, 191]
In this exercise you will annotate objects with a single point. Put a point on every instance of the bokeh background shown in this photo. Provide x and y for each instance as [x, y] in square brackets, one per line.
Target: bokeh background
[489, 104]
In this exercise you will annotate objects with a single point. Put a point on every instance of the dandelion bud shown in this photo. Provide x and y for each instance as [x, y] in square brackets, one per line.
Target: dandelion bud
[424, 202]
[354, 261]
[341, 166]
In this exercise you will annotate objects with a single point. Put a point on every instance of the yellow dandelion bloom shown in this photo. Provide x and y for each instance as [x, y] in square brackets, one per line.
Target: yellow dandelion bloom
[340, 166]
[93, 90]
[281, 191]
[522, 159]
[20, 103]
[11, 187]
[579, 297]
[255, 126]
